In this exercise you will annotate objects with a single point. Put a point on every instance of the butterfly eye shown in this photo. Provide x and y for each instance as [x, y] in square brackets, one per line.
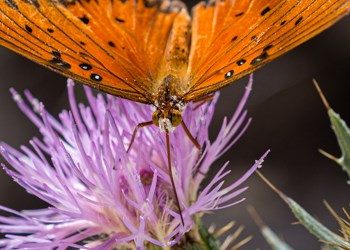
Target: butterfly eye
[155, 117]
[176, 117]
[229, 74]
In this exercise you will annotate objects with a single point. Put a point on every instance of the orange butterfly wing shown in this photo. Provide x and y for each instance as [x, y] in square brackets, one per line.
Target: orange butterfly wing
[231, 39]
[126, 47]
[105, 44]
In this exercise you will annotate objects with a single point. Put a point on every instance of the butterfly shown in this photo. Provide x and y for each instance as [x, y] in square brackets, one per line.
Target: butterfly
[154, 51]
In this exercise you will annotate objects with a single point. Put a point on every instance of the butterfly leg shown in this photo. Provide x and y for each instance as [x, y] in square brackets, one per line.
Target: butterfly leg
[171, 175]
[193, 140]
[195, 143]
[140, 125]
[145, 124]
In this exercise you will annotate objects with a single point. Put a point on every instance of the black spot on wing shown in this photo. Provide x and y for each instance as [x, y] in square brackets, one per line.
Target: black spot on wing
[259, 58]
[239, 14]
[119, 20]
[57, 60]
[298, 21]
[60, 63]
[267, 47]
[85, 66]
[112, 44]
[229, 74]
[234, 38]
[264, 11]
[56, 54]
[29, 29]
[95, 77]
[84, 19]
[50, 30]
[283, 22]
[241, 62]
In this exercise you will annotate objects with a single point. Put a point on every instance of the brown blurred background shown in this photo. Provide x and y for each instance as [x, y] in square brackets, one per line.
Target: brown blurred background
[288, 118]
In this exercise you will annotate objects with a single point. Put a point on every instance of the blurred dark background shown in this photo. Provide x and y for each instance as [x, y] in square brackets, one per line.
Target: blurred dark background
[288, 118]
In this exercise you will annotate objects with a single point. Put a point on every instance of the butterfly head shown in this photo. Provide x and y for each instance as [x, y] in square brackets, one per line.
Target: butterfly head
[169, 105]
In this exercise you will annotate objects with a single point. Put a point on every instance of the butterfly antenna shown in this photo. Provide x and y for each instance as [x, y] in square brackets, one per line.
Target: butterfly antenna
[171, 176]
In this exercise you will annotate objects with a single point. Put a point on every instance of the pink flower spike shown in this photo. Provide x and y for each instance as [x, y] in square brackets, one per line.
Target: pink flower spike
[103, 197]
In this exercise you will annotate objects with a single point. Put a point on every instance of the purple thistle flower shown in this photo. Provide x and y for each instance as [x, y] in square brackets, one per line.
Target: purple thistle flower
[102, 197]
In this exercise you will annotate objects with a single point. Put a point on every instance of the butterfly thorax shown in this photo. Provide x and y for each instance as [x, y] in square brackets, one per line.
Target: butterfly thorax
[169, 104]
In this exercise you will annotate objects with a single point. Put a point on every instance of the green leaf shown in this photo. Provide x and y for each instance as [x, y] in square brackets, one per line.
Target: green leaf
[274, 241]
[332, 240]
[315, 227]
[342, 133]
[197, 239]
[208, 239]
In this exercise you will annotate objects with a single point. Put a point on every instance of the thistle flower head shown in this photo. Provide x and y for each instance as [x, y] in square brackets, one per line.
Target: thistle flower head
[102, 197]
